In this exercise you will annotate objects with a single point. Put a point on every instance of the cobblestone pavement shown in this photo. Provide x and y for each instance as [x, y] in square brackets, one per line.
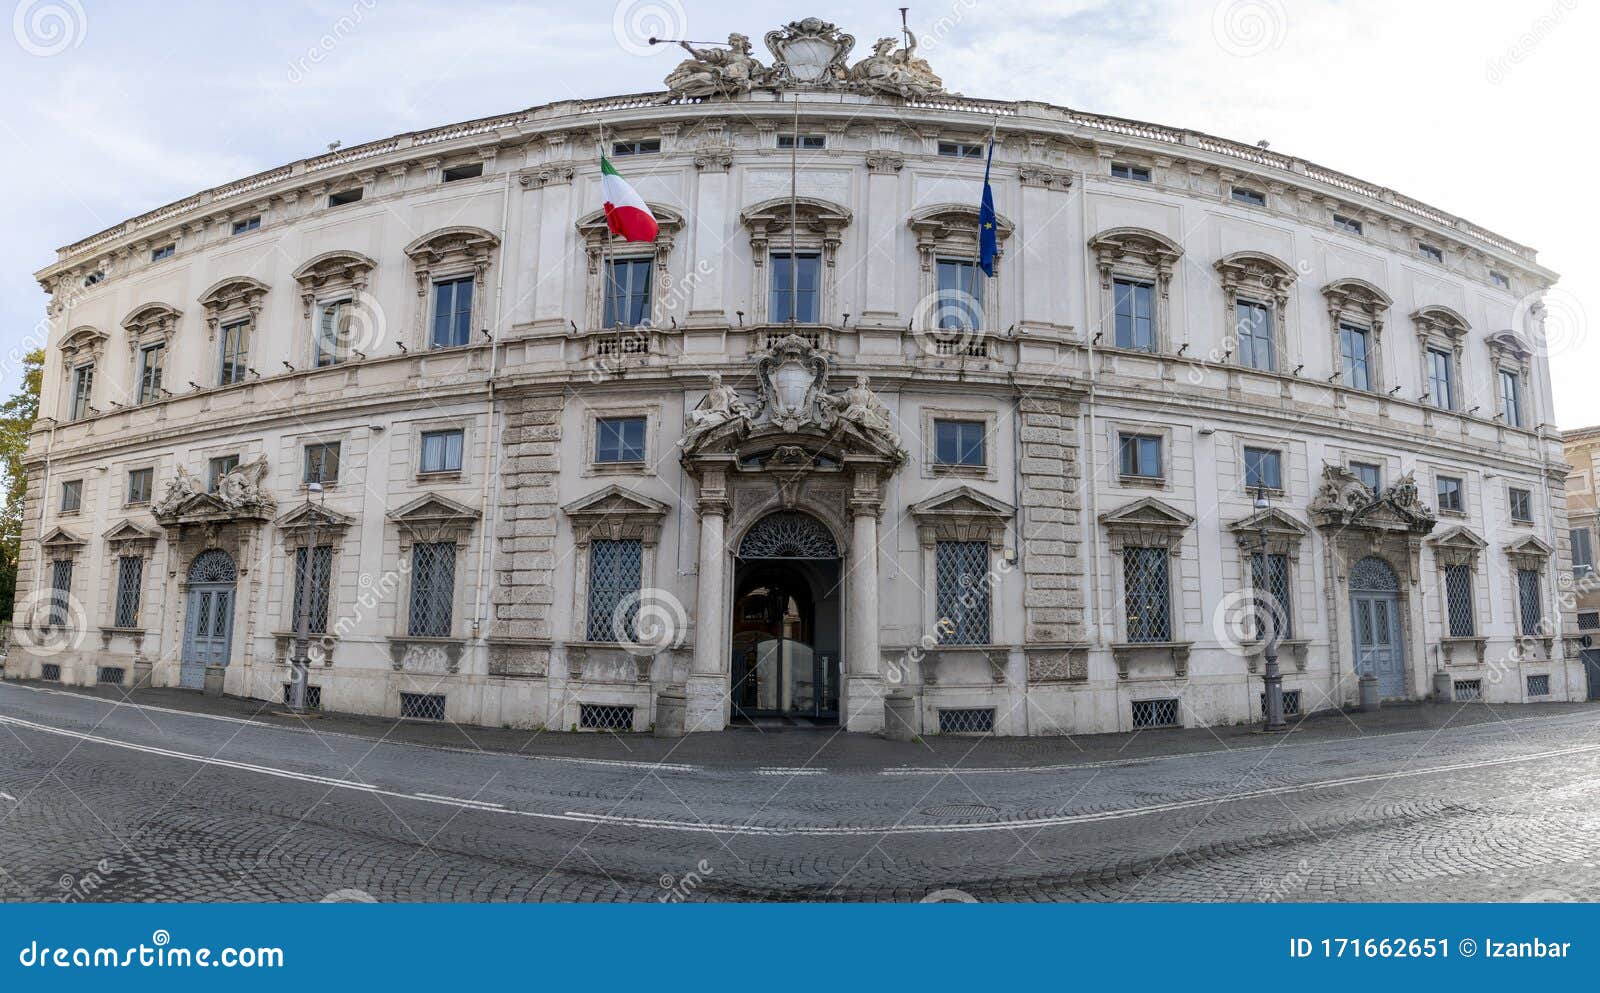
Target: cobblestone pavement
[137, 803]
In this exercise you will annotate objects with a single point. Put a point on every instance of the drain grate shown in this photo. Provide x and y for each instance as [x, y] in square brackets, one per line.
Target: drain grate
[111, 674]
[960, 810]
[1539, 684]
[51, 672]
[314, 697]
[605, 717]
[1468, 690]
[968, 720]
[420, 706]
[1155, 714]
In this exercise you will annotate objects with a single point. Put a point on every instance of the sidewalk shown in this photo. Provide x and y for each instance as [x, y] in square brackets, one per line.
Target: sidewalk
[829, 748]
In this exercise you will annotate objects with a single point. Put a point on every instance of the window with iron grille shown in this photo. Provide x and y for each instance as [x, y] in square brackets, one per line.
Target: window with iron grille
[50, 672]
[71, 496]
[1291, 703]
[605, 717]
[616, 569]
[322, 463]
[1269, 576]
[1458, 600]
[966, 720]
[321, 565]
[1468, 689]
[1521, 505]
[1529, 602]
[961, 576]
[130, 580]
[110, 674]
[60, 591]
[1155, 714]
[1589, 619]
[140, 484]
[313, 696]
[1145, 580]
[1539, 684]
[433, 589]
[422, 706]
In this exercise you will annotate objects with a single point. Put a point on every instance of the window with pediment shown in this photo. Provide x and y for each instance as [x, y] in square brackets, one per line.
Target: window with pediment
[1255, 293]
[629, 283]
[1146, 538]
[1457, 555]
[81, 351]
[339, 318]
[1356, 311]
[1442, 336]
[615, 533]
[434, 534]
[949, 276]
[233, 313]
[962, 533]
[782, 230]
[451, 268]
[1511, 359]
[1135, 267]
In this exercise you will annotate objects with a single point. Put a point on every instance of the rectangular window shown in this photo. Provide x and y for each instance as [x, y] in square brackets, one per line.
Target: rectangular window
[619, 439]
[808, 142]
[71, 496]
[1269, 576]
[130, 579]
[1135, 308]
[1147, 594]
[82, 390]
[1353, 348]
[1122, 170]
[316, 608]
[616, 568]
[333, 333]
[796, 290]
[321, 463]
[1458, 601]
[961, 285]
[441, 450]
[627, 292]
[343, 197]
[1255, 198]
[1530, 603]
[60, 592]
[1500, 279]
[433, 589]
[1253, 324]
[1582, 551]
[1588, 620]
[1511, 397]
[217, 468]
[248, 224]
[471, 170]
[151, 359]
[961, 571]
[1370, 475]
[1521, 505]
[163, 252]
[1451, 495]
[1430, 252]
[1140, 455]
[959, 443]
[452, 312]
[960, 150]
[235, 350]
[1263, 467]
[1349, 224]
[1441, 379]
[141, 482]
[621, 148]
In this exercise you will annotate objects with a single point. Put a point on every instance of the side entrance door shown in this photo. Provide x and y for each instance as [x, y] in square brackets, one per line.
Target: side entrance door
[1591, 668]
[1377, 637]
[208, 622]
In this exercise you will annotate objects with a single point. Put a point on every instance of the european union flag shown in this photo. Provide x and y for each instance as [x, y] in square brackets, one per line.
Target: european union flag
[988, 240]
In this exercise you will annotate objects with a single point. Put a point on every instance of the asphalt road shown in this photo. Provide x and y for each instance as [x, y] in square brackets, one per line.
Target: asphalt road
[133, 803]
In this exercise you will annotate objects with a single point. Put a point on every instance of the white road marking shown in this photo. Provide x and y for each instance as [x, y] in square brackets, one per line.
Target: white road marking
[778, 770]
[701, 827]
[480, 804]
[7, 796]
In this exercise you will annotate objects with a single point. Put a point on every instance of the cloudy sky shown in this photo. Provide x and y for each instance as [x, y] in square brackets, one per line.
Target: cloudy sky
[1481, 108]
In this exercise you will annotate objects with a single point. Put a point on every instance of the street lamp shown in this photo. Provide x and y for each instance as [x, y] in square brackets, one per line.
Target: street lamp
[1273, 677]
[300, 664]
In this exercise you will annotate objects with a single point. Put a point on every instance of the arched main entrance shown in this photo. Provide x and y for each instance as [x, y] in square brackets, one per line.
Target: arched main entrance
[208, 622]
[785, 625]
[1375, 614]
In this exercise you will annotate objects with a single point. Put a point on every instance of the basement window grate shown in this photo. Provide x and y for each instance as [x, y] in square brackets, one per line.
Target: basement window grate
[314, 698]
[50, 672]
[605, 717]
[422, 706]
[967, 720]
[1155, 714]
[1468, 690]
[1291, 703]
[1539, 684]
[111, 674]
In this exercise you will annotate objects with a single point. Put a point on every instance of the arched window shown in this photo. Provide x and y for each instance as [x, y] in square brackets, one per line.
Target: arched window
[212, 566]
[1373, 575]
[788, 535]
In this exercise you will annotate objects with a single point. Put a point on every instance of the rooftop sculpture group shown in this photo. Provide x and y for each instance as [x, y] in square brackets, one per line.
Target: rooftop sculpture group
[808, 52]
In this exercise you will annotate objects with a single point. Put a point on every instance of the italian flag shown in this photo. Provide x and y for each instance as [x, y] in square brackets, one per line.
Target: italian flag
[626, 213]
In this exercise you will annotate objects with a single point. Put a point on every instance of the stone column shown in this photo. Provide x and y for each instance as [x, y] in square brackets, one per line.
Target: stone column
[706, 708]
[863, 689]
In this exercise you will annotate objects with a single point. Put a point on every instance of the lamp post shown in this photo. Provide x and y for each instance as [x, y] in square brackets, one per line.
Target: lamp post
[1272, 677]
[300, 664]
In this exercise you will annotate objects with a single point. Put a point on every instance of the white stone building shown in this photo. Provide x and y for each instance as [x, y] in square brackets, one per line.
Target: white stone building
[1039, 516]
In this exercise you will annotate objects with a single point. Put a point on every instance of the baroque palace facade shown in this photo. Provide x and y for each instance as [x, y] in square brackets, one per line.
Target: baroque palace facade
[796, 459]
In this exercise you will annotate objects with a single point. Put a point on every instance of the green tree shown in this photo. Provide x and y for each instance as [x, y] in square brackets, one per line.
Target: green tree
[16, 420]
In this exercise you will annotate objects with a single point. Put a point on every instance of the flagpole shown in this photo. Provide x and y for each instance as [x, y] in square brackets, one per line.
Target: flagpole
[977, 250]
[794, 212]
[609, 275]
